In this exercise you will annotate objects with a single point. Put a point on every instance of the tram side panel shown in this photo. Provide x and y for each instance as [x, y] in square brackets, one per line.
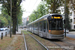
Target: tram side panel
[41, 28]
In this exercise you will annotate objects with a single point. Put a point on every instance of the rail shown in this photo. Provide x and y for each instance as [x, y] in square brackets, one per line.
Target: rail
[25, 42]
[38, 42]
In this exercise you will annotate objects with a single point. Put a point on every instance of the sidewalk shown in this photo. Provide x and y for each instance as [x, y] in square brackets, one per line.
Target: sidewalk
[16, 42]
[72, 32]
[19, 31]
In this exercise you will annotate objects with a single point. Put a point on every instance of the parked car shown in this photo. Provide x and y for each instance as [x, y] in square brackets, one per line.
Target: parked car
[67, 31]
[3, 29]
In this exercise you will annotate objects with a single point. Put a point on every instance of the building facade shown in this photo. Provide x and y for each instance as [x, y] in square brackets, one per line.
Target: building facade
[71, 16]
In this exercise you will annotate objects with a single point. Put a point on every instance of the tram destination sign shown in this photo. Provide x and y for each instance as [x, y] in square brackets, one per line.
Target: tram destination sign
[55, 17]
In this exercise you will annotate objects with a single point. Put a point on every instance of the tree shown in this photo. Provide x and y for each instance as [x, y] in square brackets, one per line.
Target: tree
[38, 13]
[67, 20]
[19, 16]
[15, 11]
[3, 21]
[53, 5]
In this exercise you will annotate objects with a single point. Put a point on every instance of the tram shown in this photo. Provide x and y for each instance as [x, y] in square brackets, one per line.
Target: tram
[49, 26]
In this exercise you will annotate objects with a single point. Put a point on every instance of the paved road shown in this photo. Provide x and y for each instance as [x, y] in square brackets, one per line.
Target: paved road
[4, 32]
[71, 34]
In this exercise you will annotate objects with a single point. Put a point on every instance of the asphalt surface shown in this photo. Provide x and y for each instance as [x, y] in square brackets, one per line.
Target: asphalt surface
[71, 34]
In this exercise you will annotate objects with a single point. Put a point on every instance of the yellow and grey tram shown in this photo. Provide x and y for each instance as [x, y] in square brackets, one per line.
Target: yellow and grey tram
[49, 26]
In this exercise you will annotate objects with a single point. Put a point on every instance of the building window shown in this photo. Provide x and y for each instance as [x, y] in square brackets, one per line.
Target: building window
[62, 9]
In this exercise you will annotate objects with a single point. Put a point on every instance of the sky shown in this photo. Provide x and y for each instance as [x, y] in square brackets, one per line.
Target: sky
[28, 6]
[0, 8]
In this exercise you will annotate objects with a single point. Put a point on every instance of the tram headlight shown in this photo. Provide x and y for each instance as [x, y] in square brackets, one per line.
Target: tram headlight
[49, 31]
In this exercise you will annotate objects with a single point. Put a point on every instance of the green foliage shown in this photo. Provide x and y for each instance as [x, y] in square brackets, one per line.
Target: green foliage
[38, 13]
[41, 9]
[19, 16]
[68, 26]
[16, 11]
[3, 20]
[53, 5]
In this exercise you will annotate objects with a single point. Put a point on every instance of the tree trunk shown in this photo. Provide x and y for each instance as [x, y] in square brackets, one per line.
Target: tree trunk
[14, 25]
[14, 19]
[14, 15]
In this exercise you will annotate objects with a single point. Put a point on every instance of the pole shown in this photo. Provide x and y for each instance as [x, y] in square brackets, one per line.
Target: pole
[65, 18]
[17, 25]
[10, 16]
[1, 36]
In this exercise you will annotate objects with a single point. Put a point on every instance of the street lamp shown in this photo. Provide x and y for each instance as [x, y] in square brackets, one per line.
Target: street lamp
[17, 25]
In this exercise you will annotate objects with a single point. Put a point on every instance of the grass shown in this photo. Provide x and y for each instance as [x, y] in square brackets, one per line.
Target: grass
[19, 44]
[32, 44]
[25, 32]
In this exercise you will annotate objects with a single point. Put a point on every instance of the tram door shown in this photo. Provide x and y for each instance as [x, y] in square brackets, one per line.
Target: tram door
[44, 28]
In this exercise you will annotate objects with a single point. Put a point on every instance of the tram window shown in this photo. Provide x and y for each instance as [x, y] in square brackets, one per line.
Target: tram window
[56, 24]
[40, 26]
[31, 27]
[44, 25]
[47, 26]
[50, 25]
[34, 26]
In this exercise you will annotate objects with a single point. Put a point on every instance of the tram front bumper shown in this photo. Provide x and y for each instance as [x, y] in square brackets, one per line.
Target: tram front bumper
[56, 36]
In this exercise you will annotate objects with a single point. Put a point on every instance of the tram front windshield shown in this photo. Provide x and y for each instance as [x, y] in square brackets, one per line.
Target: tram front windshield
[56, 24]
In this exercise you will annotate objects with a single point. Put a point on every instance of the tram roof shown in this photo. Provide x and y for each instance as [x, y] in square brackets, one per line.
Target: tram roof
[45, 16]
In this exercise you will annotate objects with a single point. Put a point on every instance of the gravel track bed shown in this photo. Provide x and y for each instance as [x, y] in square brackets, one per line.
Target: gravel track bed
[32, 44]
[49, 43]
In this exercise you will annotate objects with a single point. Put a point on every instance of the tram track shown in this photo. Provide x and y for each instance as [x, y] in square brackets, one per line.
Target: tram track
[68, 43]
[54, 45]
[62, 44]
[25, 42]
[34, 39]
[39, 42]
